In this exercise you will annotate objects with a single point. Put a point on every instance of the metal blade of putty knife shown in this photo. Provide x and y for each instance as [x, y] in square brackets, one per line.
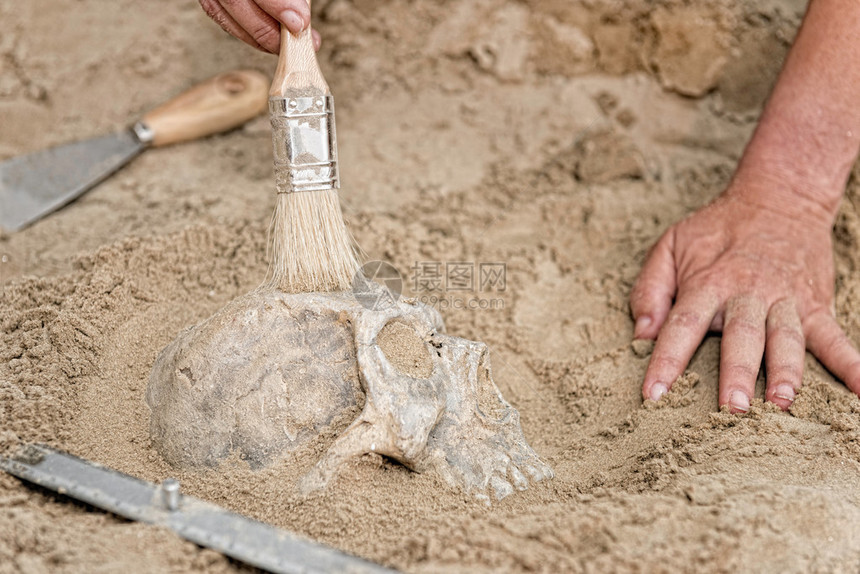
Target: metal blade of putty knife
[37, 184]
[196, 520]
[33, 185]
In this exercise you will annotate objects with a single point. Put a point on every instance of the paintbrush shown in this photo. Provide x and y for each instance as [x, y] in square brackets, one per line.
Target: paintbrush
[311, 248]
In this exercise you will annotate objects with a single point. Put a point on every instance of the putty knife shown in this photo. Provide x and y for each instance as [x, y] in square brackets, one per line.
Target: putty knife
[34, 185]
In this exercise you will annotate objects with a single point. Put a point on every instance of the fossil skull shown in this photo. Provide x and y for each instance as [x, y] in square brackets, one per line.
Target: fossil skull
[271, 370]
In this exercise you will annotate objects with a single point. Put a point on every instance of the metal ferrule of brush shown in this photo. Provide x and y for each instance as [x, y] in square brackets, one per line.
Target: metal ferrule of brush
[305, 144]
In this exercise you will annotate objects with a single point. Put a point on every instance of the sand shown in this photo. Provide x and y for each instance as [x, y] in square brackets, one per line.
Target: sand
[559, 138]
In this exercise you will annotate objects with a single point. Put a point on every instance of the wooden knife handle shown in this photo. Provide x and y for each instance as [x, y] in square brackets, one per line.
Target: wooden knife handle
[219, 104]
[298, 69]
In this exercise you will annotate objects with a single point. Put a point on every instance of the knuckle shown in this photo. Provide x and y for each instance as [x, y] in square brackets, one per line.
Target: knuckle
[667, 364]
[742, 325]
[784, 305]
[835, 341]
[816, 320]
[215, 10]
[740, 372]
[748, 305]
[640, 302]
[784, 373]
[211, 7]
[786, 333]
[687, 320]
[265, 34]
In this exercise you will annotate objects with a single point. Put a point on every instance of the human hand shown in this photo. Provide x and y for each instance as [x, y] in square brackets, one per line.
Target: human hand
[761, 275]
[257, 22]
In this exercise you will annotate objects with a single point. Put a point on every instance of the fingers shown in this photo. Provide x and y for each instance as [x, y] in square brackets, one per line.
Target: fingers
[784, 353]
[257, 23]
[651, 297]
[263, 28]
[741, 350]
[317, 39]
[827, 341]
[215, 11]
[295, 14]
[680, 336]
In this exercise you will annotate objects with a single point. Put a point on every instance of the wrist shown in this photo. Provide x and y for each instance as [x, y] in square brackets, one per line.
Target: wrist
[784, 195]
[782, 186]
[797, 164]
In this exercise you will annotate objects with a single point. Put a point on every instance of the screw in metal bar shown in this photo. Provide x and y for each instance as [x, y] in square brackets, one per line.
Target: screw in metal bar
[170, 494]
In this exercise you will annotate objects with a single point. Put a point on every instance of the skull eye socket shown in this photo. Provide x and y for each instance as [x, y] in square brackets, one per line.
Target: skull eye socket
[405, 349]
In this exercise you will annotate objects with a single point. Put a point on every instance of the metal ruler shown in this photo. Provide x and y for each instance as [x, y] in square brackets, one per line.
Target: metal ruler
[201, 522]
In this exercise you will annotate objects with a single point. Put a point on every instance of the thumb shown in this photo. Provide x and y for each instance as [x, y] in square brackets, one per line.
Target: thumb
[651, 297]
[295, 14]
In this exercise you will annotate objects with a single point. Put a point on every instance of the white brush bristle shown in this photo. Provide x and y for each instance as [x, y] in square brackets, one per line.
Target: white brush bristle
[311, 247]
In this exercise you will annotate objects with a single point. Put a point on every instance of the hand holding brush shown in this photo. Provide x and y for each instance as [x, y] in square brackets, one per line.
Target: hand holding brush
[258, 22]
[310, 245]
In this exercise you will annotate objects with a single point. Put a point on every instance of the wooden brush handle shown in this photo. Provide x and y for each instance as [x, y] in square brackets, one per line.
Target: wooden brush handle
[297, 65]
[219, 104]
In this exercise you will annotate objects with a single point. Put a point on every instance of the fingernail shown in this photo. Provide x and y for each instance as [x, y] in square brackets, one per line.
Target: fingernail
[784, 392]
[295, 23]
[658, 390]
[642, 323]
[739, 401]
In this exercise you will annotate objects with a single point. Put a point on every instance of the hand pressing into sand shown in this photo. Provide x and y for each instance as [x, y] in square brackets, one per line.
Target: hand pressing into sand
[757, 263]
[762, 276]
[257, 22]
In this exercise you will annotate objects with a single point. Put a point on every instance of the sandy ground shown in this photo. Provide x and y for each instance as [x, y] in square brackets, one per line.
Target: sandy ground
[558, 137]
